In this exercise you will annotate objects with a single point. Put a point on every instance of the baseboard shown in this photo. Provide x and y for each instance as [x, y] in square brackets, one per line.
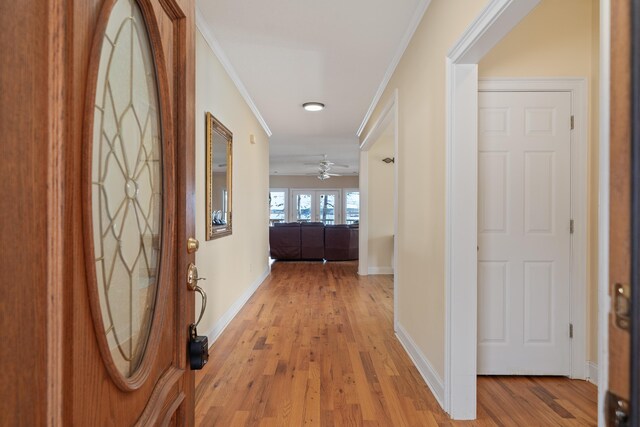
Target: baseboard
[430, 376]
[380, 270]
[592, 372]
[227, 317]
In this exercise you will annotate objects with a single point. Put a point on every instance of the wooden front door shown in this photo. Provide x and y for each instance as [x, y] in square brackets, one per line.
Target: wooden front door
[621, 400]
[132, 165]
[96, 164]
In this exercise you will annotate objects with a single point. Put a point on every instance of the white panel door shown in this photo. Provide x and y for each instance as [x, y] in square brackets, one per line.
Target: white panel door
[524, 209]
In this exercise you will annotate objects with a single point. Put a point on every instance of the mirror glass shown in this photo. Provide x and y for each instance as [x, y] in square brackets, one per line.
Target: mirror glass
[126, 182]
[218, 191]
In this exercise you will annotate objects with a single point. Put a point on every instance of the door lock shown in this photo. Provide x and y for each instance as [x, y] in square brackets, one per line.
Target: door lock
[192, 245]
[622, 305]
[192, 277]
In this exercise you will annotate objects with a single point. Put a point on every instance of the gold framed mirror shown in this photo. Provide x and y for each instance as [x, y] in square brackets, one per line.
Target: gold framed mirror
[219, 146]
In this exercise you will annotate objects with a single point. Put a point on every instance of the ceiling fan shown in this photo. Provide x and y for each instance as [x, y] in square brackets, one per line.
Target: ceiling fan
[324, 173]
[326, 163]
[324, 166]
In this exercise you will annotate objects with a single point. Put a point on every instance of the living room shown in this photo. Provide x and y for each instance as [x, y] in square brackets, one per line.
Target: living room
[315, 217]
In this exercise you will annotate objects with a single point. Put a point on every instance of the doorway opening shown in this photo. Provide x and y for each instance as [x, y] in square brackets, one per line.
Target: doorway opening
[379, 166]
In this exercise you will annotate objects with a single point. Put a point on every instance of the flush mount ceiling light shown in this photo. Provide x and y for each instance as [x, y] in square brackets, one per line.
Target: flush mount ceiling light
[313, 106]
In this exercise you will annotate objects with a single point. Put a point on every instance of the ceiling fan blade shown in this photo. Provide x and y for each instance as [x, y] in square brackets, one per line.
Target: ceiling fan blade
[324, 166]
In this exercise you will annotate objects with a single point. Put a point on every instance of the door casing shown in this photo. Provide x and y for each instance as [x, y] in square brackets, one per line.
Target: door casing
[495, 21]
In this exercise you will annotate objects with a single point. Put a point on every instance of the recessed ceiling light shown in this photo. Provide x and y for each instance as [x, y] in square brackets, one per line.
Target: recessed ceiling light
[313, 106]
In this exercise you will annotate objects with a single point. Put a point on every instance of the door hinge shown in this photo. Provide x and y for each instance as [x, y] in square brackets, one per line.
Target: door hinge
[570, 330]
[571, 228]
[572, 122]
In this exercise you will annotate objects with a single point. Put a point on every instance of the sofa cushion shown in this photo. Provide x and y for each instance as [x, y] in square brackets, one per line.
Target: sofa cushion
[284, 241]
[312, 240]
[340, 242]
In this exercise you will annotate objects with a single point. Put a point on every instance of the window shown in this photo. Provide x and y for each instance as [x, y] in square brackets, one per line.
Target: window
[352, 206]
[330, 206]
[327, 208]
[277, 205]
[313, 205]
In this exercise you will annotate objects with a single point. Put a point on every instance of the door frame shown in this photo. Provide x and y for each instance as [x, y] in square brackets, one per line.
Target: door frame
[577, 88]
[495, 21]
[603, 209]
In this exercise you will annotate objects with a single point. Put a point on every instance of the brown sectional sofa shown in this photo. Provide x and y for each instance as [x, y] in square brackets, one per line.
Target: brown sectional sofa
[313, 241]
[340, 242]
[284, 241]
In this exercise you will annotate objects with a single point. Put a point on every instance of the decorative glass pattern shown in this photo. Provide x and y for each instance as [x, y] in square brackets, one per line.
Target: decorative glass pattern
[127, 185]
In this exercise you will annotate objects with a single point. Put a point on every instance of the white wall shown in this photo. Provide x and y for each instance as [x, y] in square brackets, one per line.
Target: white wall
[233, 265]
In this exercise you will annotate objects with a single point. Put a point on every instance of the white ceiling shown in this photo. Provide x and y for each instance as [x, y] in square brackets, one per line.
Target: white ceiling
[283, 53]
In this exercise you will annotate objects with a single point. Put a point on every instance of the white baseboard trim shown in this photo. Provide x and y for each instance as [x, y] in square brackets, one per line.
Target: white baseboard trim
[592, 372]
[380, 270]
[227, 317]
[430, 376]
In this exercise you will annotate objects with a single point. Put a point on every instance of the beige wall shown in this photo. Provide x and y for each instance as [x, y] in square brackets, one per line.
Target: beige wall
[561, 39]
[299, 181]
[233, 263]
[557, 39]
[381, 187]
[420, 81]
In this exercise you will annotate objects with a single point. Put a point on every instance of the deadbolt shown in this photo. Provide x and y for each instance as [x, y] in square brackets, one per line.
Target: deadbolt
[622, 304]
[192, 277]
[192, 245]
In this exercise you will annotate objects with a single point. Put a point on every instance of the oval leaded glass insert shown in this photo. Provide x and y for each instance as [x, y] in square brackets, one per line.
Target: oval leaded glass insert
[126, 175]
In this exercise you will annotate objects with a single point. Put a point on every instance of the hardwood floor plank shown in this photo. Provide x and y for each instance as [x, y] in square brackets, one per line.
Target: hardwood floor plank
[239, 419]
[315, 345]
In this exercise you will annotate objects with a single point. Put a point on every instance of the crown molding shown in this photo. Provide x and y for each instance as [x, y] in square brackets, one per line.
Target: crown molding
[412, 27]
[215, 46]
[489, 27]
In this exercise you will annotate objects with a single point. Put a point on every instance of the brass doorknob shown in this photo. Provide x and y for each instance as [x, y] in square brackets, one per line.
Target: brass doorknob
[192, 245]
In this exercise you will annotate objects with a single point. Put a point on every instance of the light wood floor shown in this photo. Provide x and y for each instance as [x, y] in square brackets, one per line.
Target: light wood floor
[315, 346]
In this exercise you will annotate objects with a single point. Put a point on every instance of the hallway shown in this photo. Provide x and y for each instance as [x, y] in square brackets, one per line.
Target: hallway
[315, 346]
